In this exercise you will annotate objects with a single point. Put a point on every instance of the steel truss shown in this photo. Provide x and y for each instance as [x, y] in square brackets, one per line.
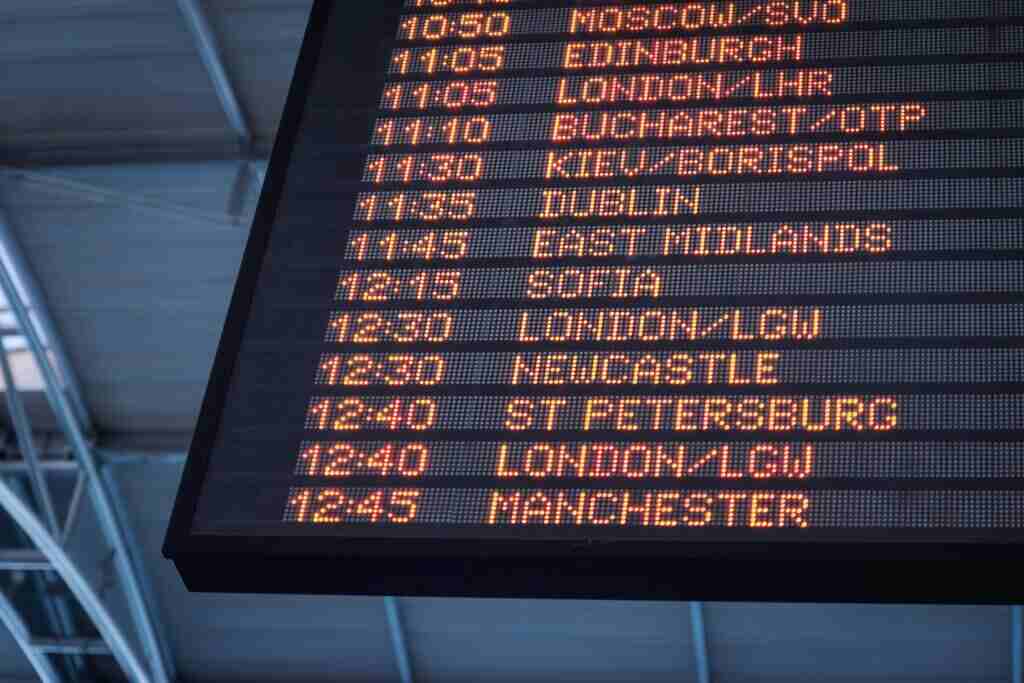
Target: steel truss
[47, 560]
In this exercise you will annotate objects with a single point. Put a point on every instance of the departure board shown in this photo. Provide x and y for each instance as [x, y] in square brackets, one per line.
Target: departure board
[580, 298]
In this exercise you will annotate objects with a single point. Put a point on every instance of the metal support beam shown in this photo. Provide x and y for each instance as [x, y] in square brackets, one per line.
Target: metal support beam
[698, 633]
[113, 150]
[74, 509]
[241, 190]
[19, 466]
[40, 315]
[210, 53]
[106, 456]
[1017, 643]
[119, 458]
[213, 59]
[261, 175]
[22, 560]
[27, 446]
[50, 593]
[148, 597]
[76, 582]
[10, 618]
[71, 646]
[105, 511]
[142, 202]
[398, 640]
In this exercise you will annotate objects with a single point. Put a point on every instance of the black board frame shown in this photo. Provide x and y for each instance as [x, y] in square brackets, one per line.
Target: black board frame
[877, 572]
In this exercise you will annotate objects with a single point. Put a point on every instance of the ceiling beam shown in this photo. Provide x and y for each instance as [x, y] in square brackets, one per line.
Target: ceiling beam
[398, 644]
[113, 450]
[109, 150]
[1017, 643]
[213, 59]
[20, 559]
[27, 446]
[210, 52]
[698, 633]
[140, 201]
[111, 458]
[36, 321]
[71, 646]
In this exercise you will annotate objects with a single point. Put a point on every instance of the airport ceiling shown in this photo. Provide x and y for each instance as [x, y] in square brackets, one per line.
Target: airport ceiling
[130, 193]
[121, 177]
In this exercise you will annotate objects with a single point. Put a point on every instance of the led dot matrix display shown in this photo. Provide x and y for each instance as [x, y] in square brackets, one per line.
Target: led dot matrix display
[665, 273]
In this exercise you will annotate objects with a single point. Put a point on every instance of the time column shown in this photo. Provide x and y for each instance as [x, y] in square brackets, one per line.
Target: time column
[447, 64]
[442, 81]
[411, 232]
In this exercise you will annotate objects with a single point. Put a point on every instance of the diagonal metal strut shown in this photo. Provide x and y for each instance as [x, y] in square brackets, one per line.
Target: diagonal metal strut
[210, 53]
[398, 643]
[698, 631]
[160, 664]
[10, 618]
[76, 582]
[39, 318]
[27, 446]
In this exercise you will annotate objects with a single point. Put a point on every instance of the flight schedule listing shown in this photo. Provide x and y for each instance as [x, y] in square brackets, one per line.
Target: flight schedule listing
[750, 266]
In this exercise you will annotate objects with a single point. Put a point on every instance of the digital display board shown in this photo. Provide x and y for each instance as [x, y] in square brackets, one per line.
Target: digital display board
[717, 299]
